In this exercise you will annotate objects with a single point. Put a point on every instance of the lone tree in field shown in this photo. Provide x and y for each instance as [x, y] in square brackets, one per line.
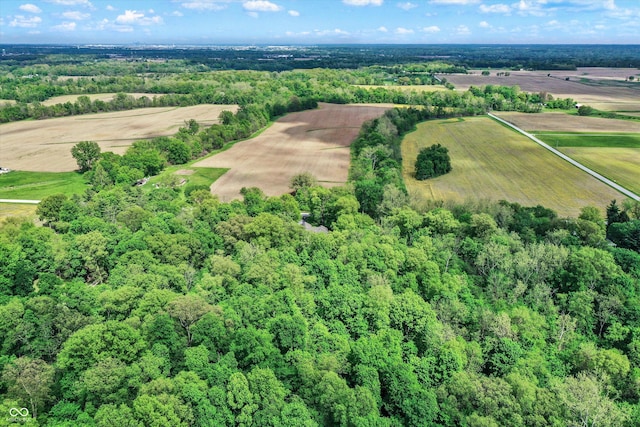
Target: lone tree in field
[302, 180]
[433, 161]
[86, 154]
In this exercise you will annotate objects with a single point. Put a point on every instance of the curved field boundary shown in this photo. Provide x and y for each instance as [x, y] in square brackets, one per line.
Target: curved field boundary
[594, 174]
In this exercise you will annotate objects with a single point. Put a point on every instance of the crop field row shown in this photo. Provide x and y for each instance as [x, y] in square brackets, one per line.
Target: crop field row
[492, 162]
[603, 140]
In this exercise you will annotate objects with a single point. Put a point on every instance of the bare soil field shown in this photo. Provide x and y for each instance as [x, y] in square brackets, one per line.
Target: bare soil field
[93, 96]
[562, 122]
[315, 141]
[491, 162]
[45, 145]
[621, 165]
[603, 88]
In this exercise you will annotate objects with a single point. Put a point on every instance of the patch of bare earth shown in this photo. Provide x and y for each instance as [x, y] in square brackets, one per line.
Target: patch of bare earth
[561, 122]
[45, 145]
[315, 141]
[184, 172]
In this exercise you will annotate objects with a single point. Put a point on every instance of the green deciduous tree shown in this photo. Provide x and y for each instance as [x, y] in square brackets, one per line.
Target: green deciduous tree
[432, 161]
[29, 380]
[86, 154]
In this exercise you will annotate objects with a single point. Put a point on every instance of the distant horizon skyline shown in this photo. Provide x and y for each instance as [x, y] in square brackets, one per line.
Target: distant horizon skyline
[319, 22]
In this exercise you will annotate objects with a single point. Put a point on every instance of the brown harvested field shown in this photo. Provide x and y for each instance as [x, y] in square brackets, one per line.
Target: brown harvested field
[101, 96]
[604, 90]
[621, 165]
[45, 145]
[562, 122]
[492, 162]
[315, 141]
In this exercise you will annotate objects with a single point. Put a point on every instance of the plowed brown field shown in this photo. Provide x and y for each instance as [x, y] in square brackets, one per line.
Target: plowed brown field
[315, 141]
[602, 88]
[561, 122]
[45, 145]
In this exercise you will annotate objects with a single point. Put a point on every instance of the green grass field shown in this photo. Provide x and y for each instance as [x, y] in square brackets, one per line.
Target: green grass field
[36, 185]
[619, 164]
[493, 162]
[613, 155]
[577, 139]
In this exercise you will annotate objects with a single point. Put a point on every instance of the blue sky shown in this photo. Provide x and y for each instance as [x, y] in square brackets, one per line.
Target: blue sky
[319, 21]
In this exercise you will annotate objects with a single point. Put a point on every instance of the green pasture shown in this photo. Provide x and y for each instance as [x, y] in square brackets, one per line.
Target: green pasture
[593, 140]
[37, 185]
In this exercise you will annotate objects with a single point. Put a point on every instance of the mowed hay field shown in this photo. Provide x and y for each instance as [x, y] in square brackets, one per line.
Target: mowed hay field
[492, 162]
[593, 141]
[315, 141]
[621, 165]
[601, 88]
[16, 209]
[45, 145]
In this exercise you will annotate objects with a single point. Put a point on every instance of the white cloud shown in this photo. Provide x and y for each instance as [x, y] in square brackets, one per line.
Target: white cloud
[176, 13]
[383, 29]
[110, 8]
[85, 3]
[294, 13]
[75, 15]
[484, 24]
[133, 17]
[65, 26]
[407, 6]
[363, 2]
[336, 31]
[462, 30]
[553, 23]
[21, 21]
[495, 8]
[253, 14]
[260, 6]
[214, 5]
[31, 8]
[401, 30]
[432, 29]
[530, 7]
[454, 2]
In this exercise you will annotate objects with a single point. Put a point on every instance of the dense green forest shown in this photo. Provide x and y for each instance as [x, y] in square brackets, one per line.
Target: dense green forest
[162, 306]
[133, 307]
